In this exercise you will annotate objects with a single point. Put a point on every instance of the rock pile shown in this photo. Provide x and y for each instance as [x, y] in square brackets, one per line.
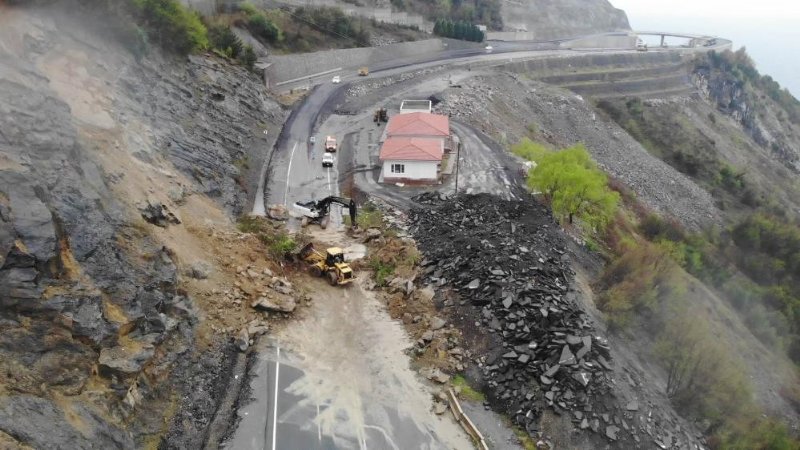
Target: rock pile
[507, 259]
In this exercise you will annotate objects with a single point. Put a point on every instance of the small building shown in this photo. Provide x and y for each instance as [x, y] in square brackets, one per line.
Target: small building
[412, 106]
[411, 159]
[482, 28]
[413, 147]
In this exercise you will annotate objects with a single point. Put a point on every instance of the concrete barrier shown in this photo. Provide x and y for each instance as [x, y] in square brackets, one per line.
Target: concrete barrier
[288, 67]
[464, 421]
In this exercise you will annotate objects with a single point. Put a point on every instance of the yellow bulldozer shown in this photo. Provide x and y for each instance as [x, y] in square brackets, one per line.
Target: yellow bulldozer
[331, 265]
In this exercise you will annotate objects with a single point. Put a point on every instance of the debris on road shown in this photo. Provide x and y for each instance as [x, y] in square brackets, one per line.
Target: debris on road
[506, 259]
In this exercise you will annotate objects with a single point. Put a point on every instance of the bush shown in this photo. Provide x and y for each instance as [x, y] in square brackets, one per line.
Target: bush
[172, 25]
[264, 28]
[222, 38]
[248, 58]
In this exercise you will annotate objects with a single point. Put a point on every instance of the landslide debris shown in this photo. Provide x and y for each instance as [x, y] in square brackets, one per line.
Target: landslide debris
[507, 264]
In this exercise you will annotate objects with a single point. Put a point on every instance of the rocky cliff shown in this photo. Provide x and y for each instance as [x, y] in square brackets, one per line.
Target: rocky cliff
[116, 178]
[556, 19]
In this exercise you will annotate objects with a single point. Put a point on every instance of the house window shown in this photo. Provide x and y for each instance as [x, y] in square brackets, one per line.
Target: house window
[398, 168]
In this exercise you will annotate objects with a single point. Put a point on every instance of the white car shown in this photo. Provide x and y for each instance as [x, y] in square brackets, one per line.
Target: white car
[336, 80]
[488, 48]
[327, 159]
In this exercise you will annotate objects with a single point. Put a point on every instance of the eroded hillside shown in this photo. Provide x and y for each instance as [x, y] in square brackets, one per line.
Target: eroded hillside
[118, 257]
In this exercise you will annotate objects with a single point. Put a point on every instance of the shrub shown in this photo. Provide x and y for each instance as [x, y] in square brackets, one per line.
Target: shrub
[248, 57]
[222, 38]
[264, 28]
[172, 25]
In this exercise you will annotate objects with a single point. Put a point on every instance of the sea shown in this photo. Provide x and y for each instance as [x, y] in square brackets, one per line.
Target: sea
[774, 44]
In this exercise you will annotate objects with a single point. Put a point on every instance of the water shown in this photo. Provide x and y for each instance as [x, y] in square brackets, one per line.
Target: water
[771, 35]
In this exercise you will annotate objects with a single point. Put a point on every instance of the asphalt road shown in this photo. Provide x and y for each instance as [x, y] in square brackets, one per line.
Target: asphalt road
[280, 419]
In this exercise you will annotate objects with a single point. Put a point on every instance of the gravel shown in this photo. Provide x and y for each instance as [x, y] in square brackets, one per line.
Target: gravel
[510, 107]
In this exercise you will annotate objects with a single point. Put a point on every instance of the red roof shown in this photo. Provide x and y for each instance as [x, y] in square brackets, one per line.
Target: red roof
[418, 124]
[411, 149]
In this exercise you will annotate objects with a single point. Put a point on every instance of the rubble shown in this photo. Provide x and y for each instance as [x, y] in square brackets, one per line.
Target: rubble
[158, 214]
[473, 244]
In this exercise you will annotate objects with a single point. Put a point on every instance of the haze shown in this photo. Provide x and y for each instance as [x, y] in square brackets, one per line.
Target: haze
[767, 28]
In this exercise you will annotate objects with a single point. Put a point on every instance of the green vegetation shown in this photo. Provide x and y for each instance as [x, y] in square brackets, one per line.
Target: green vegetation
[278, 242]
[171, 24]
[225, 41]
[382, 270]
[458, 30]
[333, 21]
[530, 150]
[680, 143]
[741, 69]
[485, 12]
[260, 25]
[571, 183]
[466, 391]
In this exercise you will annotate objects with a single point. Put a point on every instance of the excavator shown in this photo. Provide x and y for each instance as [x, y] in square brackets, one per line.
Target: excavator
[319, 211]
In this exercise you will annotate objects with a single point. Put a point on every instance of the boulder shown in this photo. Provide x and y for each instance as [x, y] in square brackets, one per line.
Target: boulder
[122, 360]
[285, 304]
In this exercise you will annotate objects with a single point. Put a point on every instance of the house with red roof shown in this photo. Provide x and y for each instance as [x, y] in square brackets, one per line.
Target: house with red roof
[414, 146]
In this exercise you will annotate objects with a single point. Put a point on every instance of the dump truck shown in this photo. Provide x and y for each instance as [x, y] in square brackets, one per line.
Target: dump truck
[331, 265]
[364, 71]
[330, 144]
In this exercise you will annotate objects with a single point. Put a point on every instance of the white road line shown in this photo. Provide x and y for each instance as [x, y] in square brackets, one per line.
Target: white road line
[319, 427]
[289, 171]
[275, 408]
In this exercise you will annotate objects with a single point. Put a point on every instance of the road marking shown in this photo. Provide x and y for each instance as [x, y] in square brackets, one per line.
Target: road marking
[289, 171]
[319, 427]
[275, 408]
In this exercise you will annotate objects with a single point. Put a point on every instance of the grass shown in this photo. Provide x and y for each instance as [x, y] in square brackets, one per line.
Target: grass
[466, 391]
[277, 240]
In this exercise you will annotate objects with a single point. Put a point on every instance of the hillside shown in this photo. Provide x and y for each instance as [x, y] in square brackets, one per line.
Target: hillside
[119, 180]
[558, 19]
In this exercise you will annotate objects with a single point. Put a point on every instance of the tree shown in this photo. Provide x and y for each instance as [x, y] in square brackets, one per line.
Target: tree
[248, 57]
[223, 39]
[574, 186]
[172, 24]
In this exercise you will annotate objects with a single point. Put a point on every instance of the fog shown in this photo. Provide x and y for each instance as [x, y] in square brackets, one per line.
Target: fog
[769, 28]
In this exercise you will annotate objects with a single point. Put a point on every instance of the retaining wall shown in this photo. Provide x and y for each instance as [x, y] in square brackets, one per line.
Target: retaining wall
[289, 67]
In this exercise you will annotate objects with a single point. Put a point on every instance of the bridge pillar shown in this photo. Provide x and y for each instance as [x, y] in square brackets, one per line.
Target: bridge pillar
[662, 40]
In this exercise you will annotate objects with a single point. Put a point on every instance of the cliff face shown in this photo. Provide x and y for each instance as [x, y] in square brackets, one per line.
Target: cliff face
[99, 154]
[556, 19]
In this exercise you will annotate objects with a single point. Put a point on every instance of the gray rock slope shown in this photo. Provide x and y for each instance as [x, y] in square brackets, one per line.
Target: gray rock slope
[92, 319]
[555, 19]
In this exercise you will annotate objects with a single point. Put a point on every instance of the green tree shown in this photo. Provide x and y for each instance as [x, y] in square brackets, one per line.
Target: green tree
[222, 38]
[248, 57]
[437, 27]
[574, 186]
[530, 150]
[172, 25]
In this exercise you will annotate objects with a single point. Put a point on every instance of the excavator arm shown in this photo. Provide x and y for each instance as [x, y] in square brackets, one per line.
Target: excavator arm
[320, 209]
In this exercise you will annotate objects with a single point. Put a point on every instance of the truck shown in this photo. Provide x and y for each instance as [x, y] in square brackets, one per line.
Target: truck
[330, 144]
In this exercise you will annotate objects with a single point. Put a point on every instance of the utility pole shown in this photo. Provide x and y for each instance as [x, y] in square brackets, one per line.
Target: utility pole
[458, 157]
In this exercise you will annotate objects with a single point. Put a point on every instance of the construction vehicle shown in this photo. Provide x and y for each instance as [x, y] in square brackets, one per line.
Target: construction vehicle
[380, 116]
[331, 265]
[330, 144]
[364, 71]
[319, 211]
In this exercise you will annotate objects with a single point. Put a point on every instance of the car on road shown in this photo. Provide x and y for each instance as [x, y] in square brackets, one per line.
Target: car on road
[312, 139]
[336, 80]
[488, 48]
[327, 159]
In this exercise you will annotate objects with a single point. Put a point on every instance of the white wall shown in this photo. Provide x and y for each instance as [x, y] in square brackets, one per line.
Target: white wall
[415, 170]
